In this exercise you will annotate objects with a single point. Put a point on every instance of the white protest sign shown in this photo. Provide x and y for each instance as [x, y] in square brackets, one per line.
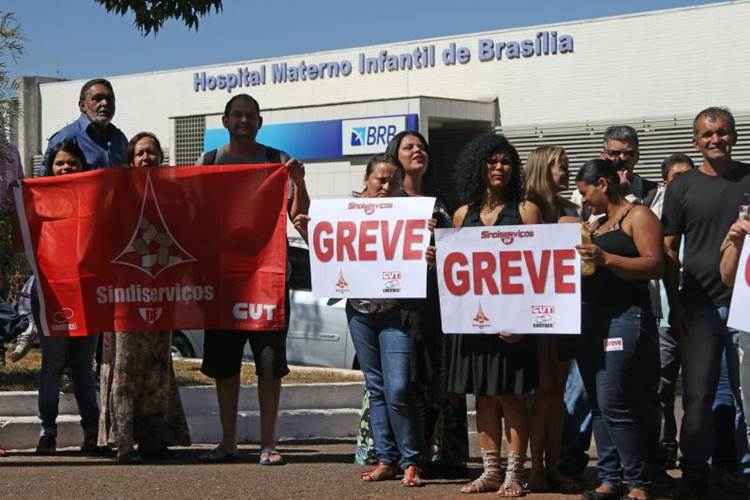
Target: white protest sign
[739, 314]
[510, 279]
[369, 247]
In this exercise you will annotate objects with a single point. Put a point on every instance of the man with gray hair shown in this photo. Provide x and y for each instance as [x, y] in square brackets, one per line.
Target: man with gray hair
[621, 144]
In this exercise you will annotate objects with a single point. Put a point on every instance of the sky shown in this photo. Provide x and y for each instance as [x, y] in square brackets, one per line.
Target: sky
[78, 39]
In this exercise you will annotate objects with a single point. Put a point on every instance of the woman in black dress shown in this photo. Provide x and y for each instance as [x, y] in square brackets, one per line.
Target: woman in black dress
[500, 370]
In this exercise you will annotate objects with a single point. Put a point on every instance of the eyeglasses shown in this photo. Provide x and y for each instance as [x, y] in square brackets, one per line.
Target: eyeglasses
[624, 153]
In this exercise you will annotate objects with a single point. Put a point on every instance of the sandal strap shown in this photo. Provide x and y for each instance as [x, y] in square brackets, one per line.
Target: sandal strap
[488, 481]
[514, 472]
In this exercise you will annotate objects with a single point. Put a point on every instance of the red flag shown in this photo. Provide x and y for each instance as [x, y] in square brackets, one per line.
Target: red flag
[158, 248]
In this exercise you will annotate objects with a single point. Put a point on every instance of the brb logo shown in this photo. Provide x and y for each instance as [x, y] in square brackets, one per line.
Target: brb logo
[369, 135]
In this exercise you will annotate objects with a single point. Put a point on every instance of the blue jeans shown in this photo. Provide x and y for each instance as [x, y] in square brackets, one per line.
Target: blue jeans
[384, 351]
[78, 354]
[706, 343]
[619, 362]
[730, 441]
[669, 351]
[744, 355]
[577, 425]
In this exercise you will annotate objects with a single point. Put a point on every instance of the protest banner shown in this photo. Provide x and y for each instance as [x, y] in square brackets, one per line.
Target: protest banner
[509, 279]
[739, 315]
[369, 247]
[158, 249]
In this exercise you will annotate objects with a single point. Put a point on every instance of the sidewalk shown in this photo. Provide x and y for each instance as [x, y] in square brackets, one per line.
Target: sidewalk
[313, 471]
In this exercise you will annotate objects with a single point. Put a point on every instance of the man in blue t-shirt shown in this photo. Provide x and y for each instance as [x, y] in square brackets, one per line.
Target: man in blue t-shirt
[103, 144]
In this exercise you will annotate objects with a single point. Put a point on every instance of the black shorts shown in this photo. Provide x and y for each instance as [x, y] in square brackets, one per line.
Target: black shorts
[223, 350]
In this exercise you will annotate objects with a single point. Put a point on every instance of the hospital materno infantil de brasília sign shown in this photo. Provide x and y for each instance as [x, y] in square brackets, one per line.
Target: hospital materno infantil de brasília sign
[544, 43]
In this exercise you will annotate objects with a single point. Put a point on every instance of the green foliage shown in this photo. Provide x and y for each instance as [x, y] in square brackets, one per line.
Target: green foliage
[150, 15]
[13, 266]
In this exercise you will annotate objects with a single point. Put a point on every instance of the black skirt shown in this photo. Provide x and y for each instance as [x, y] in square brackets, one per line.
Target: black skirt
[488, 366]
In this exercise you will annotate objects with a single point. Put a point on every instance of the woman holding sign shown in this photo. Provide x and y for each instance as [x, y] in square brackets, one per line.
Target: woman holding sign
[140, 400]
[385, 352]
[731, 250]
[57, 352]
[442, 415]
[501, 370]
[618, 352]
[546, 174]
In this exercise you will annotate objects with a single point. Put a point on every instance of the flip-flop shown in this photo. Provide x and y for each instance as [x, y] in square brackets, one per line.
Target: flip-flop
[219, 456]
[381, 472]
[266, 457]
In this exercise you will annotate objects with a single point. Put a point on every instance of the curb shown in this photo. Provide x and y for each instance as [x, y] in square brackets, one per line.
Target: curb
[308, 412]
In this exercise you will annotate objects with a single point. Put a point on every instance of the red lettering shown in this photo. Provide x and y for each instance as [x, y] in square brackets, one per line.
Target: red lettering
[507, 272]
[390, 240]
[345, 233]
[747, 271]
[366, 238]
[323, 246]
[411, 239]
[538, 276]
[483, 266]
[562, 270]
[461, 285]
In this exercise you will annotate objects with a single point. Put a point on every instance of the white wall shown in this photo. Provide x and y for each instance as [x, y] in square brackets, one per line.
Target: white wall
[657, 64]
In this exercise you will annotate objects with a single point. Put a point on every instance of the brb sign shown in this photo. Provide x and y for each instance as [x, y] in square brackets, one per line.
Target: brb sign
[369, 136]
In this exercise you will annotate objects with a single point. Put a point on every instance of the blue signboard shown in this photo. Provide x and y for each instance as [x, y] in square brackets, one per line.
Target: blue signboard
[321, 140]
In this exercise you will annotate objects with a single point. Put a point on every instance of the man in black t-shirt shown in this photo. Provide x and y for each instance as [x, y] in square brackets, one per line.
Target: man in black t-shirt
[701, 205]
[223, 349]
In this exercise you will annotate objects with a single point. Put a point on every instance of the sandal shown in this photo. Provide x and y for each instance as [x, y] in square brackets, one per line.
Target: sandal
[412, 477]
[219, 456]
[488, 481]
[630, 496]
[513, 486]
[269, 456]
[381, 472]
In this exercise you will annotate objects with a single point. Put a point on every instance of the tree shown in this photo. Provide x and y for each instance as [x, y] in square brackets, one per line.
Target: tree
[150, 15]
[11, 45]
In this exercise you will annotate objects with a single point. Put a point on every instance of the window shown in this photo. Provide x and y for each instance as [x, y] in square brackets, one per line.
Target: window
[188, 133]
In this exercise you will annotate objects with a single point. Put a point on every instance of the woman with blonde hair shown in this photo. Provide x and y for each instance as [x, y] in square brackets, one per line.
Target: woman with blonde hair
[546, 176]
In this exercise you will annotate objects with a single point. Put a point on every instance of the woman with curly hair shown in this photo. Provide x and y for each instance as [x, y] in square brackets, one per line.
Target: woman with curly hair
[546, 175]
[500, 370]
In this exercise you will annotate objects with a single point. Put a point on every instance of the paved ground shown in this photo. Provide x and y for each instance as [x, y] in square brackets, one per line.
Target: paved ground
[313, 471]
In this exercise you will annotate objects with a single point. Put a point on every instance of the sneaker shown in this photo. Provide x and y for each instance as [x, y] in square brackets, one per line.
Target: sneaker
[47, 445]
[24, 343]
